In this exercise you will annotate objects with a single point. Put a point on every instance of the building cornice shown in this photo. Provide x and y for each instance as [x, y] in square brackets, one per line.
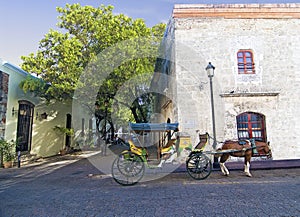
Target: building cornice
[237, 11]
[252, 94]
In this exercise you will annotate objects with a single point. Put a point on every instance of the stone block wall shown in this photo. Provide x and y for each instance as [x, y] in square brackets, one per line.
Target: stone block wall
[272, 34]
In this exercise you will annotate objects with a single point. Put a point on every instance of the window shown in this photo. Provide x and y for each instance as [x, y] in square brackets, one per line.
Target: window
[245, 62]
[251, 125]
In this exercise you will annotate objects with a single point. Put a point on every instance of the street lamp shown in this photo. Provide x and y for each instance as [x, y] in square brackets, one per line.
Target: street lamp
[210, 69]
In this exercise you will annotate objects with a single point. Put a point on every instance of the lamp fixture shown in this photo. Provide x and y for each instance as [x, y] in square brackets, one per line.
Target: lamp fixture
[44, 115]
[41, 116]
[210, 69]
[14, 112]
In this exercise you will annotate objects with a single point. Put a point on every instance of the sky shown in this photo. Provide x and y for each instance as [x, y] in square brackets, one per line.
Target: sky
[25, 22]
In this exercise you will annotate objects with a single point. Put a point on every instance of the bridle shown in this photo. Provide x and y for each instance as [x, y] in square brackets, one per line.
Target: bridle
[269, 153]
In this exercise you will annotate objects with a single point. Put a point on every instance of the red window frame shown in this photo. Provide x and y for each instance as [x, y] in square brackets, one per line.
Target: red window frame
[251, 125]
[245, 62]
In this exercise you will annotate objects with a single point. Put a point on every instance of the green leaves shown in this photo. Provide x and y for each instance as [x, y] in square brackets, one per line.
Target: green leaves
[85, 32]
[58, 62]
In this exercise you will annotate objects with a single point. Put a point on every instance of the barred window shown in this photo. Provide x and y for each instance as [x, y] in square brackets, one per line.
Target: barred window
[245, 62]
[251, 125]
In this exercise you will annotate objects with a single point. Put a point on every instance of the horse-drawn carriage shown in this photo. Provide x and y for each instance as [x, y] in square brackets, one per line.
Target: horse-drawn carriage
[152, 145]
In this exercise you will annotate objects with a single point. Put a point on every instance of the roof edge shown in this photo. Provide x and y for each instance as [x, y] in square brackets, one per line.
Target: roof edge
[281, 5]
[288, 10]
[14, 68]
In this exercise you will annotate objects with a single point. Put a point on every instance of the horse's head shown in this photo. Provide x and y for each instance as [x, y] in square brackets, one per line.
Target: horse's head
[264, 148]
[267, 150]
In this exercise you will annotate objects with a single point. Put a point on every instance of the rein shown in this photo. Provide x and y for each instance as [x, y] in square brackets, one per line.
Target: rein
[269, 153]
[210, 137]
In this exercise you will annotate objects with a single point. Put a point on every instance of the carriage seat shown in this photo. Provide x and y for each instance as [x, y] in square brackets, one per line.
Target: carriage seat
[170, 147]
[202, 143]
[135, 149]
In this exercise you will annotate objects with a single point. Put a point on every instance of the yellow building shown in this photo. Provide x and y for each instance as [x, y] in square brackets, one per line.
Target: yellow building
[28, 120]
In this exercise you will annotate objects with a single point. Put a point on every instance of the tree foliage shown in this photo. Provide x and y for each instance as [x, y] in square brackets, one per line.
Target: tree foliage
[86, 31]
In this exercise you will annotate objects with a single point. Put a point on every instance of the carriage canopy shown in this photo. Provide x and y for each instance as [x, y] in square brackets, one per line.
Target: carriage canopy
[153, 126]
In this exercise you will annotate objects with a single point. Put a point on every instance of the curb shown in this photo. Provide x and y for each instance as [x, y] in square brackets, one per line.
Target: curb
[255, 165]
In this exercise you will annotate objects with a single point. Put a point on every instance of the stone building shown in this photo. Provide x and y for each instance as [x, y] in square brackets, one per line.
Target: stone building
[255, 49]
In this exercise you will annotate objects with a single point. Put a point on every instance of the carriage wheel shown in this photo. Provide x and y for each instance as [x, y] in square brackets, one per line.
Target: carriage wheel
[198, 166]
[128, 169]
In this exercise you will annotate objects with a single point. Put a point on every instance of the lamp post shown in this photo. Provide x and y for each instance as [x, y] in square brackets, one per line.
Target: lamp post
[210, 69]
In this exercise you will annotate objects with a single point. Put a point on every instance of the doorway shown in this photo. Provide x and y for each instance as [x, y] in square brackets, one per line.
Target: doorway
[68, 126]
[24, 125]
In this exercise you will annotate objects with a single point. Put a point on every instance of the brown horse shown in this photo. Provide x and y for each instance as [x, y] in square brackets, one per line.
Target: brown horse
[234, 148]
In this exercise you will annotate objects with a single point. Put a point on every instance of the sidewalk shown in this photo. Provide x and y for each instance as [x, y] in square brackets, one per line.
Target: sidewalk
[50, 161]
[91, 155]
[258, 165]
[266, 164]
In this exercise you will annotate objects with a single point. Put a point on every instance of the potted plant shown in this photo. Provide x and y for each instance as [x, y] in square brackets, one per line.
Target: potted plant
[8, 152]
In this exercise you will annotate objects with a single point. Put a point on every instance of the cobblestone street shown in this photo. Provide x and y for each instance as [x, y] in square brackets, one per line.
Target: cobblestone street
[76, 188]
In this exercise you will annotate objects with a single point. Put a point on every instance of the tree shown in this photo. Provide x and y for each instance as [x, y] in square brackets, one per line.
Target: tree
[86, 32]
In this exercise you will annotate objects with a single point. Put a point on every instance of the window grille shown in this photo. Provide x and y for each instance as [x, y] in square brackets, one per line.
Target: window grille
[251, 125]
[245, 62]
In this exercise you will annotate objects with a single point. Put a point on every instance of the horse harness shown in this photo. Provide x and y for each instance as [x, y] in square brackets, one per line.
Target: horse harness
[243, 143]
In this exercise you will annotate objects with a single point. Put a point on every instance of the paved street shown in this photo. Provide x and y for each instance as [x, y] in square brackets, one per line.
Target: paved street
[73, 187]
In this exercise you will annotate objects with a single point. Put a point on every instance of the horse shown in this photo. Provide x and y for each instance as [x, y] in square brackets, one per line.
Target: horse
[246, 150]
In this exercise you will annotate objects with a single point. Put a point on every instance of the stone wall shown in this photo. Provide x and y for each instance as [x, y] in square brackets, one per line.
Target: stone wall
[272, 91]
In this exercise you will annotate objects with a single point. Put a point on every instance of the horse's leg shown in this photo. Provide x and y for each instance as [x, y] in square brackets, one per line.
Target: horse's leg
[224, 169]
[162, 160]
[171, 158]
[247, 164]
